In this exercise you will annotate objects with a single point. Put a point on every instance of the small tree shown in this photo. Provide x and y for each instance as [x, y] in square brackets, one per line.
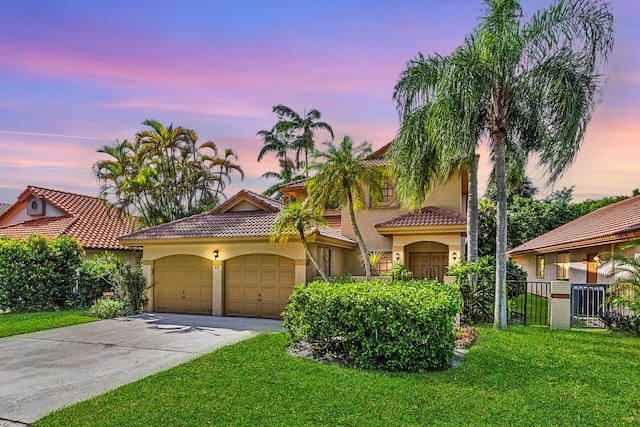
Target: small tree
[298, 218]
[342, 177]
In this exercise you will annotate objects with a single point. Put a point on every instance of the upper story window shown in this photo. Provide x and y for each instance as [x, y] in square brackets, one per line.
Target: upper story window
[562, 266]
[540, 266]
[388, 196]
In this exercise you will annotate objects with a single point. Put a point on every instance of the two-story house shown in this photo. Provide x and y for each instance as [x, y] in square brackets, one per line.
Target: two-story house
[223, 263]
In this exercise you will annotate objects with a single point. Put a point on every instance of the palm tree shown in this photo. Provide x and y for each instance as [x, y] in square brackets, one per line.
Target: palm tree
[533, 87]
[284, 177]
[306, 126]
[342, 175]
[298, 218]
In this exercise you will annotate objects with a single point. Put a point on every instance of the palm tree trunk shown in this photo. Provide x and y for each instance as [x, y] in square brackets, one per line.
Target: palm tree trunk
[356, 230]
[472, 210]
[313, 259]
[500, 311]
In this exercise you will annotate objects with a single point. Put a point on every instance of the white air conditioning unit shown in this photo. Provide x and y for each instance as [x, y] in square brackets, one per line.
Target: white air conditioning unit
[35, 206]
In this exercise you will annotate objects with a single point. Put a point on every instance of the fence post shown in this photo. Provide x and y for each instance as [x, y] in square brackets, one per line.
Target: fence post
[560, 305]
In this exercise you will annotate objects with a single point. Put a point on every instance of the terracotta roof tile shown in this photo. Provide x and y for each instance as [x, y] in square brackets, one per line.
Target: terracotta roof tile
[260, 200]
[94, 224]
[4, 207]
[335, 221]
[219, 225]
[301, 183]
[615, 220]
[428, 216]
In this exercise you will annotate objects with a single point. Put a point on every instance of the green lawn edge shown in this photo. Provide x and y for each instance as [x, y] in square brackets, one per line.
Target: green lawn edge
[22, 323]
[523, 376]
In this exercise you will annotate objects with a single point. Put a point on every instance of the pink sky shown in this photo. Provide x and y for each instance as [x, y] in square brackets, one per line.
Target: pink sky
[78, 75]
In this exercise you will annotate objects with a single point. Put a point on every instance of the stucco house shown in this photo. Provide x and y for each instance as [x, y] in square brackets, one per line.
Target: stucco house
[223, 263]
[572, 251]
[54, 213]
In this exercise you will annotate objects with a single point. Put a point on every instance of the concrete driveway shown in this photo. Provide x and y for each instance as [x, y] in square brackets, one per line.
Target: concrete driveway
[44, 371]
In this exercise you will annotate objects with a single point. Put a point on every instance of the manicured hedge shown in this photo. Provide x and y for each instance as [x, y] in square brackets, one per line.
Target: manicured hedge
[38, 273]
[388, 325]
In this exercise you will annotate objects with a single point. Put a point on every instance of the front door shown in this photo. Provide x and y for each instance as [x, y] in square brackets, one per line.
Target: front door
[428, 265]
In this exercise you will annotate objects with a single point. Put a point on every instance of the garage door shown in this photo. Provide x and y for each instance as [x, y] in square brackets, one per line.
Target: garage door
[258, 285]
[182, 284]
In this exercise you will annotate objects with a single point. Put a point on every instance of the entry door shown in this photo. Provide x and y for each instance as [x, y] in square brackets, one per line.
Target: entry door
[428, 265]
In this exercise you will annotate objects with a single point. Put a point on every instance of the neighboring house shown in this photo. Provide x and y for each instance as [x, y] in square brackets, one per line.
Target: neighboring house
[54, 213]
[572, 251]
[223, 262]
[4, 207]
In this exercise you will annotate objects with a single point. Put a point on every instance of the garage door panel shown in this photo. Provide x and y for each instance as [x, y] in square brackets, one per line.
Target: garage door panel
[266, 280]
[183, 284]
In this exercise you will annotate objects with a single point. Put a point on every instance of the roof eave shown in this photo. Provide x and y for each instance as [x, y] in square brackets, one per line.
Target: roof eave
[577, 244]
[422, 229]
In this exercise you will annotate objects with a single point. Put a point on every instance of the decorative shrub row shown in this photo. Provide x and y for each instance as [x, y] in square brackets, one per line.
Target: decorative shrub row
[390, 325]
[38, 273]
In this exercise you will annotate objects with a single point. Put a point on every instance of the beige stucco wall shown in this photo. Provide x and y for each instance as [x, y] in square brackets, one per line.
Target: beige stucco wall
[577, 269]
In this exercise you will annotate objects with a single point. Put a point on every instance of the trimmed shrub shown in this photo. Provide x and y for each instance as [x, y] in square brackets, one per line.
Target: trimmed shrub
[396, 326]
[108, 308]
[38, 273]
[400, 272]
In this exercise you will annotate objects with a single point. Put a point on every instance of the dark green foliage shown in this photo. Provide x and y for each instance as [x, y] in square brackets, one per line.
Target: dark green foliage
[110, 273]
[38, 273]
[396, 326]
[624, 322]
[108, 308]
[476, 282]
[400, 272]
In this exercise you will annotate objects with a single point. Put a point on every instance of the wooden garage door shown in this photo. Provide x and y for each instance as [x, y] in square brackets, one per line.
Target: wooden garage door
[258, 285]
[182, 284]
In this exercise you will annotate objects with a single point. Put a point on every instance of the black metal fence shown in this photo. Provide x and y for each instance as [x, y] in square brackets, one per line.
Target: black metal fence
[527, 303]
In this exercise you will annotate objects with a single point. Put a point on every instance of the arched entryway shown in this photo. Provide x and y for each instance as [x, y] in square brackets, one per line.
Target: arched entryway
[258, 285]
[428, 260]
[182, 284]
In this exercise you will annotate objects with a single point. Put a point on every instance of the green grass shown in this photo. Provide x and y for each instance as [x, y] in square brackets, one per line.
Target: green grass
[537, 308]
[21, 323]
[525, 376]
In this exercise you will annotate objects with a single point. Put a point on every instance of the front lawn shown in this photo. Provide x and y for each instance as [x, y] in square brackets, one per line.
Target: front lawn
[21, 323]
[526, 376]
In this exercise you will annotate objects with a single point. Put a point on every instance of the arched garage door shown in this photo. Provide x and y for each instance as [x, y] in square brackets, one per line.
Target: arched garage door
[258, 285]
[182, 284]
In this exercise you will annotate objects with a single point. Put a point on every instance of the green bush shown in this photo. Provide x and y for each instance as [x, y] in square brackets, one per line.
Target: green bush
[38, 273]
[107, 272]
[390, 325]
[108, 308]
[400, 272]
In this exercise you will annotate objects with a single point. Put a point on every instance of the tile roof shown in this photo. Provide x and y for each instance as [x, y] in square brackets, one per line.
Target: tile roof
[301, 183]
[219, 225]
[264, 202]
[4, 207]
[94, 224]
[335, 221]
[616, 221]
[428, 216]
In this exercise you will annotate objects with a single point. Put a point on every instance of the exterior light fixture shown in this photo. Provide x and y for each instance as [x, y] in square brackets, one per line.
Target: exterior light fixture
[597, 258]
[215, 254]
[454, 256]
[397, 256]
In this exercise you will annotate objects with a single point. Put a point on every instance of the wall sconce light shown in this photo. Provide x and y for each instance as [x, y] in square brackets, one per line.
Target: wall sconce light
[597, 258]
[215, 254]
[454, 256]
[397, 257]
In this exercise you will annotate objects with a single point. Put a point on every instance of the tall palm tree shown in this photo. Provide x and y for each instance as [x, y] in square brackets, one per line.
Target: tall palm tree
[285, 176]
[532, 87]
[298, 218]
[305, 126]
[341, 179]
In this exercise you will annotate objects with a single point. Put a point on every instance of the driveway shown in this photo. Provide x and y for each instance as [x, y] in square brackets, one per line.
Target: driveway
[44, 371]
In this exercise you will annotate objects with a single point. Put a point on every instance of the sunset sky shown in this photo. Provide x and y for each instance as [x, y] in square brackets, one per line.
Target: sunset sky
[76, 75]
